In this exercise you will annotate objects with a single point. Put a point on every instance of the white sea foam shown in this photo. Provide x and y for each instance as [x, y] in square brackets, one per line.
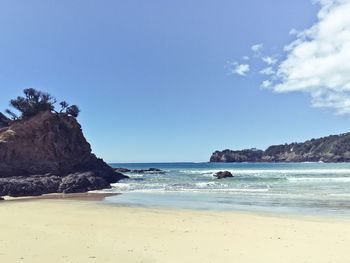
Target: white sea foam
[269, 171]
[248, 190]
[320, 179]
[123, 186]
[339, 195]
[135, 175]
[206, 184]
[197, 187]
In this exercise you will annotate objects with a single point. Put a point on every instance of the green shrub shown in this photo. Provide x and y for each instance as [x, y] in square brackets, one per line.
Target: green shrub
[35, 101]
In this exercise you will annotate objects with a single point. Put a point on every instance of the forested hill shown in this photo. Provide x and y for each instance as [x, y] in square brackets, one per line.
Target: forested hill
[334, 148]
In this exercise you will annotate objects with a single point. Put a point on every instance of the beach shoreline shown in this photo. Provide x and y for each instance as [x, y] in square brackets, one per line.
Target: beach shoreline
[87, 196]
[78, 229]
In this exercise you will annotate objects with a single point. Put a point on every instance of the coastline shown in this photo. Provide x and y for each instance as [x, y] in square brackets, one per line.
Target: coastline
[87, 196]
[76, 229]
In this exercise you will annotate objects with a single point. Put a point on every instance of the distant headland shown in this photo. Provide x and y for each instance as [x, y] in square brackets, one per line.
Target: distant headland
[330, 149]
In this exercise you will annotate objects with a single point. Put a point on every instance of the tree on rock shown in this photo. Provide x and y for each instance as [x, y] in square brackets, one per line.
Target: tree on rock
[64, 105]
[35, 101]
[73, 111]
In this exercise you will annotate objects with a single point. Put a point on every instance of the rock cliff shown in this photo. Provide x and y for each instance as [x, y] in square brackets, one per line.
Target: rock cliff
[228, 156]
[334, 148]
[49, 153]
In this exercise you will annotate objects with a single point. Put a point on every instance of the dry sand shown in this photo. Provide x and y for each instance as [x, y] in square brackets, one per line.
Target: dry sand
[50, 231]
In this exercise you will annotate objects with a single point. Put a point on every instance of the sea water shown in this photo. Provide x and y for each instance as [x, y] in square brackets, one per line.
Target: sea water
[307, 188]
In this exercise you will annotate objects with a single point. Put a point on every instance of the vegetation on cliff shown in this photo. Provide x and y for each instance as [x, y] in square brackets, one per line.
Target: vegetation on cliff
[34, 102]
[4, 121]
[334, 148]
[227, 156]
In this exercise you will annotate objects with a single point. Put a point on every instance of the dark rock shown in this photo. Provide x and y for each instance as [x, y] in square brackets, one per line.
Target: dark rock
[44, 184]
[82, 182]
[223, 174]
[53, 146]
[1, 198]
[149, 171]
[122, 170]
[25, 186]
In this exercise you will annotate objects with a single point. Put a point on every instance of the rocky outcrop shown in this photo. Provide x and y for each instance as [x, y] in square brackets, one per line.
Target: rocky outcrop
[141, 171]
[228, 156]
[81, 182]
[334, 148]
[32, 185]
[48, 153]
[122, 170]
[223, 174]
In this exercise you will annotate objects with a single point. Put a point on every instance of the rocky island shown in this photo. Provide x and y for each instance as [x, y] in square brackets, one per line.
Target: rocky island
[334, 148]
[46, 151]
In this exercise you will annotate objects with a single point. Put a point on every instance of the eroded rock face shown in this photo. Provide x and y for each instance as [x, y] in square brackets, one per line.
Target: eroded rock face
[46, 143]
[49, 153]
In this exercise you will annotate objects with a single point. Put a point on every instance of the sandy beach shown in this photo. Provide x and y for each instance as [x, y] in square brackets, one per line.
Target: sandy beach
[67, 230]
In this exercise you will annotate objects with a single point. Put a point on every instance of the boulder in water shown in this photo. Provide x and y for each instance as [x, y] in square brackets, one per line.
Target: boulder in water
[223, 174]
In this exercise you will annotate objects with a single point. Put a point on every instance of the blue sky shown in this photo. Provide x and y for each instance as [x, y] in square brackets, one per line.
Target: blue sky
[161, 80]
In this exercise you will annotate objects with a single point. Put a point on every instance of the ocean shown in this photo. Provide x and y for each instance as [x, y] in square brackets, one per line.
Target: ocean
[298, 188]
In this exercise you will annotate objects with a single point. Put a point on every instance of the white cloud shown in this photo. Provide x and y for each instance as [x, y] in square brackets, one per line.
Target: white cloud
[257, 47]
[269, 60]
[293, 32]
[266, 84]
[318, 61]
[245, 58]
[267, 71]
[240, 69]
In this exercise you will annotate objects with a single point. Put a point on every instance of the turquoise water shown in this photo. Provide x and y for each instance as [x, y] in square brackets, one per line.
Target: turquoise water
[306, 188]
